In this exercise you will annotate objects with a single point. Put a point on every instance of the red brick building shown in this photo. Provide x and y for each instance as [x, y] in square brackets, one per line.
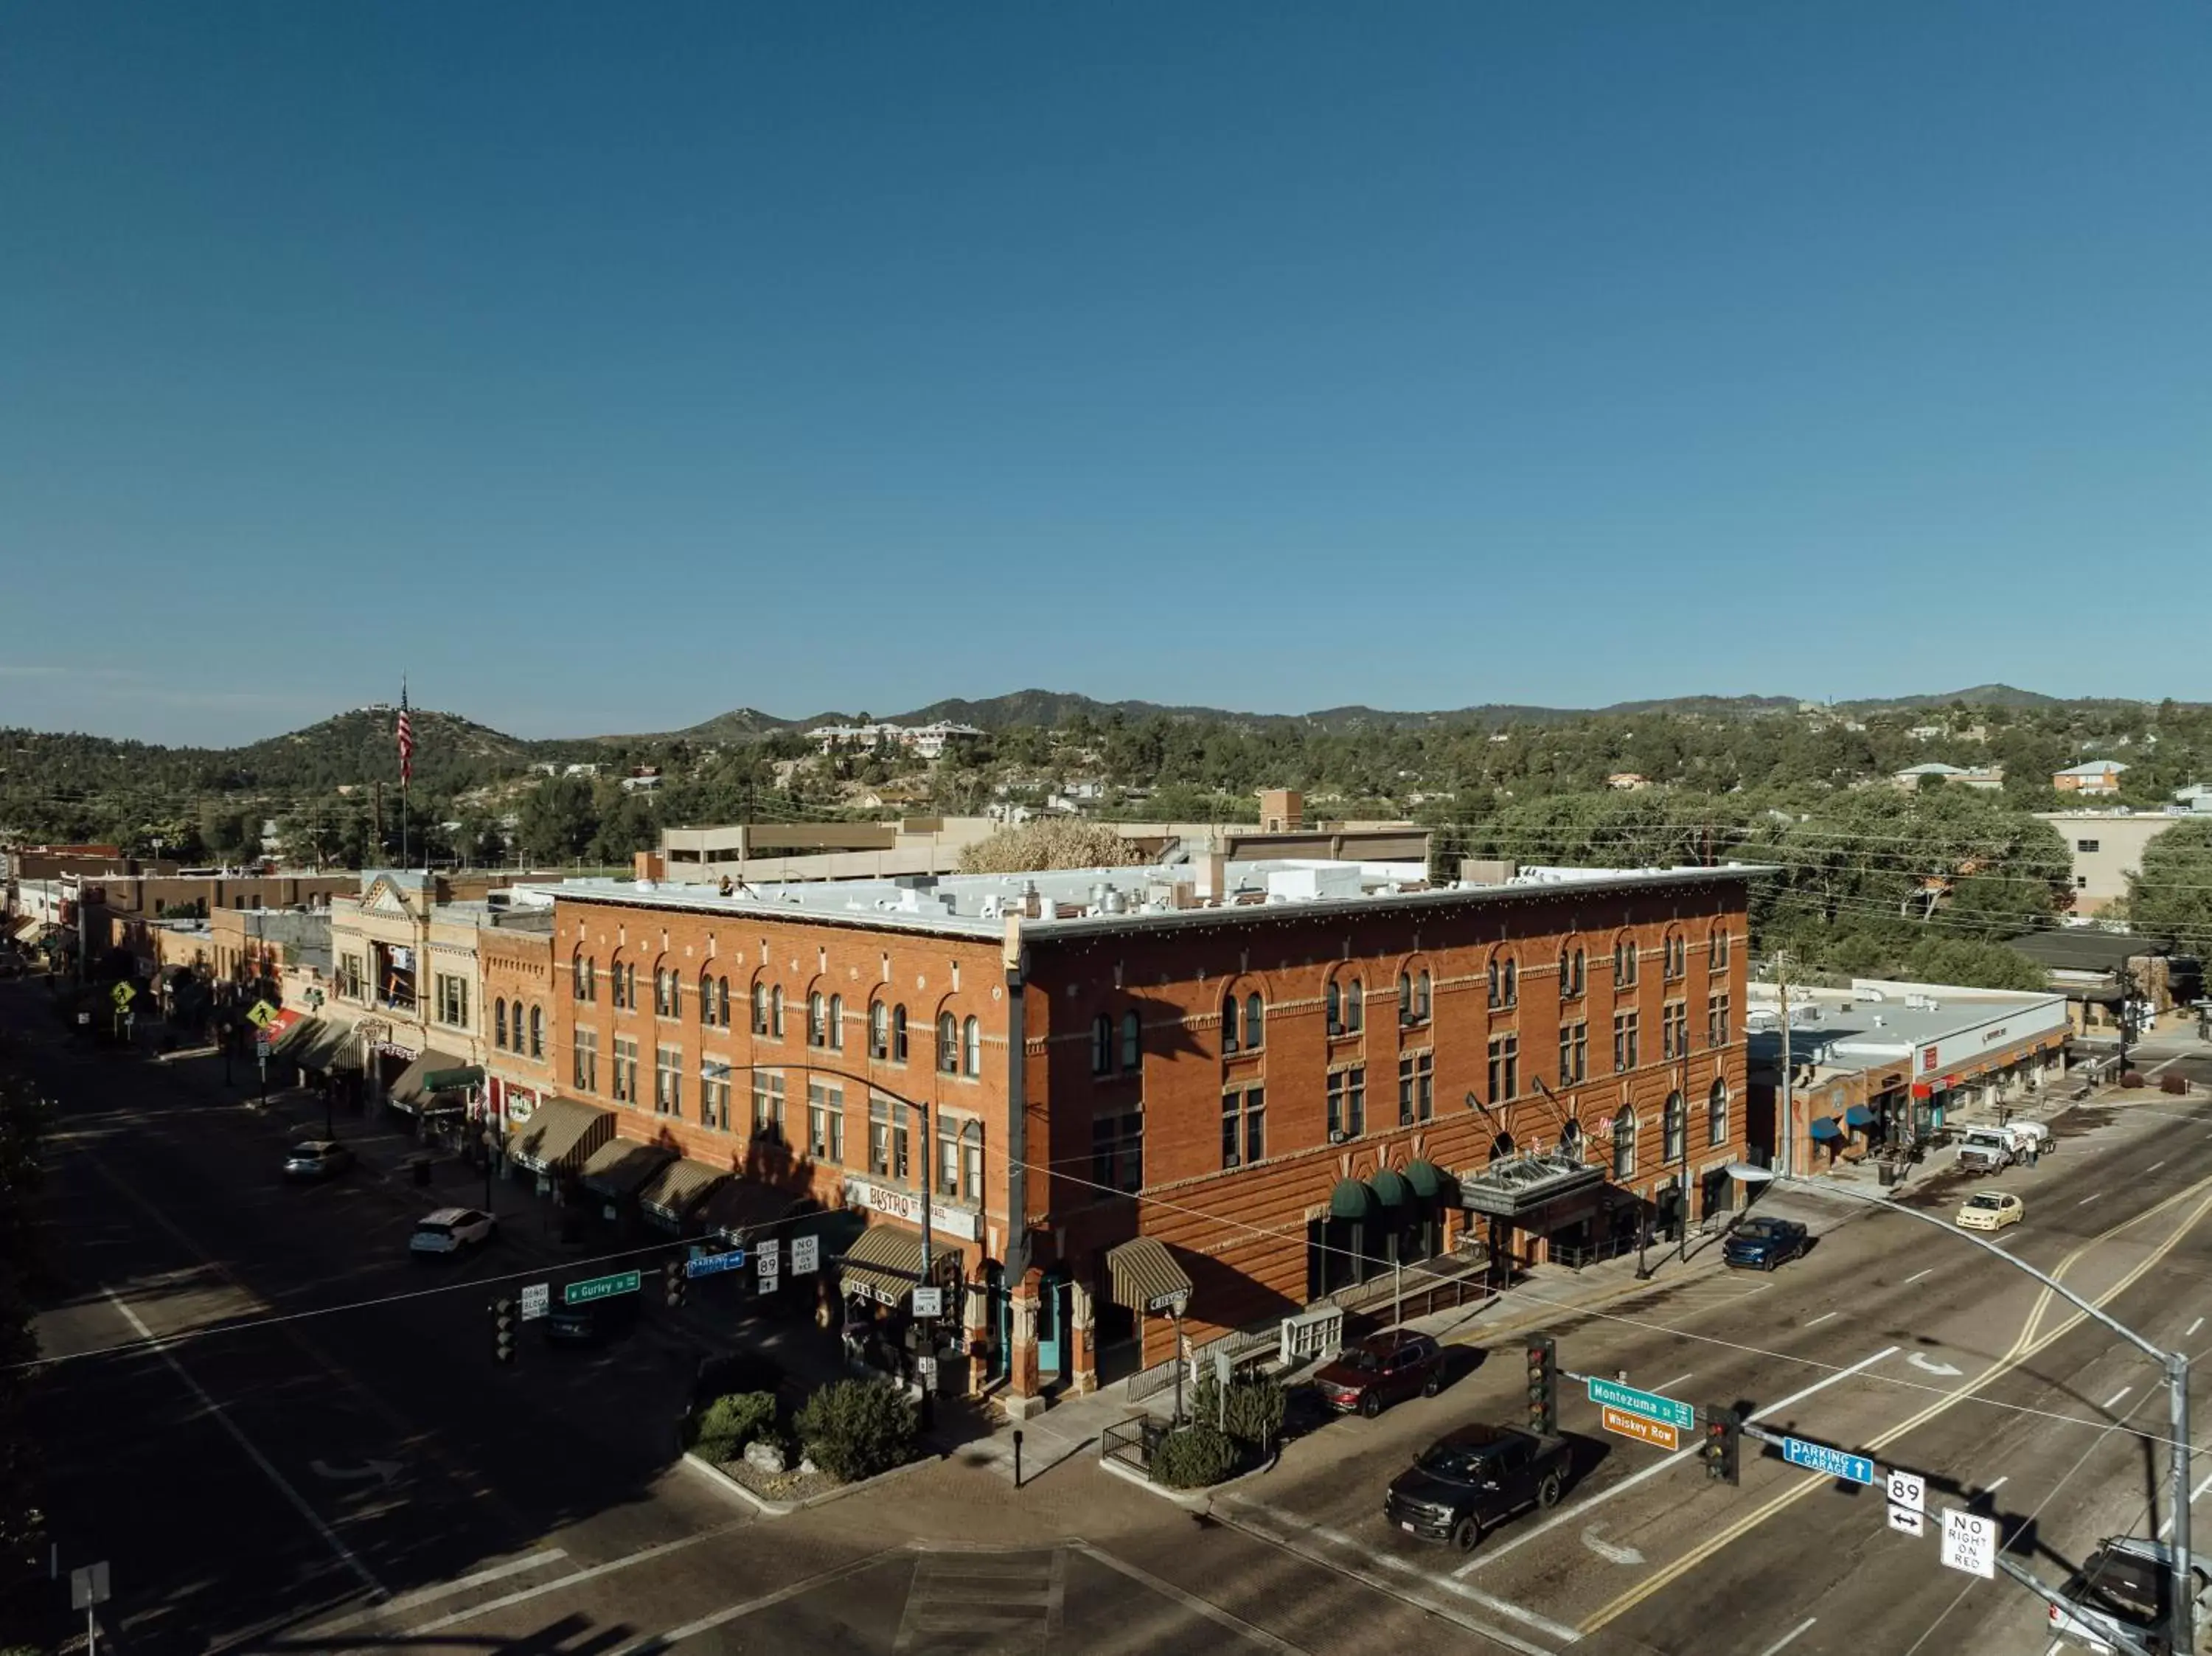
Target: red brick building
[1288, 1076]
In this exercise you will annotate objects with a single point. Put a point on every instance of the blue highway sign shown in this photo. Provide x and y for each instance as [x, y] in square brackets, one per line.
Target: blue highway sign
[709, 1265]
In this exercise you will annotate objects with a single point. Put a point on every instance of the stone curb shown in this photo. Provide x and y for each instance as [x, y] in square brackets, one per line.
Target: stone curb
[768, 1509]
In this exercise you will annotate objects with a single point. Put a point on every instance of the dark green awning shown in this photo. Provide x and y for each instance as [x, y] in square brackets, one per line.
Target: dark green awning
[1389, 1189]
[439, 1081]
[1425, 1178]
[1349, 1200]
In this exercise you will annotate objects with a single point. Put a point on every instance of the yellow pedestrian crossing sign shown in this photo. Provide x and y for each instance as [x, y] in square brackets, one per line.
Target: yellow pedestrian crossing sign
[262, 1016]
[121, 994]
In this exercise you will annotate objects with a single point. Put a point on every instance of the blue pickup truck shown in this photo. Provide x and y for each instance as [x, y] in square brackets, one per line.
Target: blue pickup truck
[1763, 1244]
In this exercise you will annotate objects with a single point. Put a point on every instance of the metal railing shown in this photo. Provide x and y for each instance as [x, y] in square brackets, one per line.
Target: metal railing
[1132, 1443]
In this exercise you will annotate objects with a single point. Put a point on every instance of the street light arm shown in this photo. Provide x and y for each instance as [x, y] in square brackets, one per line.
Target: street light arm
[1763, 1175]
[2119, 1633]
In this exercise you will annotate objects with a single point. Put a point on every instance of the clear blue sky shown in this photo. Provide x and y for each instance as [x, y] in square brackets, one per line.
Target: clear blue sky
[608, 366]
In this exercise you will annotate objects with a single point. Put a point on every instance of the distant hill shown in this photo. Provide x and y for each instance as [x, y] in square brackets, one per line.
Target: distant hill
[1982, 695]
[362, 745]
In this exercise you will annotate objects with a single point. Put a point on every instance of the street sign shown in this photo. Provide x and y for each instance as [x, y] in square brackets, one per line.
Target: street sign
[1656, 1433]
[1649, 1404]
[123, 994]
[710, 1264]
[771, 1265]
[1908, 1490]
[261, 1016]
[1820, 1457]
[601, 1288]
[260, 1047]
[536, 1298]
[88, 1585]
[1907, 1520]
[806, 1255]
[1970, 1543]
[929, 1302]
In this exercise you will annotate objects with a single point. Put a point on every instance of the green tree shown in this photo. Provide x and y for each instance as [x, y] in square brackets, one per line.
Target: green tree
[2171, 894]
[557, 819]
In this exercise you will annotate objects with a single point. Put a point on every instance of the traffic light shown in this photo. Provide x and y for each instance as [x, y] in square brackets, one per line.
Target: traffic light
[673, 1283]
[1543, 1385]
[1723, 1438]
[502, 1329]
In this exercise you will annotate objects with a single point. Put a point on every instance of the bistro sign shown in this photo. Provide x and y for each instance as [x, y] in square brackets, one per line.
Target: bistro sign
[906, 1206]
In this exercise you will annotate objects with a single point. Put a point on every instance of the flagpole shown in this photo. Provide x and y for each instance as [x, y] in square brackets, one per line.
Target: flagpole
[406, 766]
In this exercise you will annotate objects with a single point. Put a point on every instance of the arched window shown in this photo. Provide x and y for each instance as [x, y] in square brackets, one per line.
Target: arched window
[1133, 1043]
[1421, 998]
[499, 1023]
[721, 1003]
[706, 999]
[538, 1032]
[576, 974]
[879, 1031]
[1229, 1023]
[1355, 1007]
[1716, 950]
[1624, 962]
[948, 1044]
[591, 979]
[1512, 983]
[760, 1008]
[1405, 997]
[1494, 1000]
[1624, 1143]
[1505, 982]
[1716, 1114]
[817, 1024]
[1334, 996]
[1571, 971]
[1677, 1128]
[971, 1047]
[1102, 1044]
[615, 983]
[775, 1012]
[898, 1035]
[666, 993]
[836, 1024]
[1675, 959]
[1255, 1022]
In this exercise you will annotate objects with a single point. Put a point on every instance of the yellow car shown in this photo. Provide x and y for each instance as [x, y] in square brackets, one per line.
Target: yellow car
[1991, 1211]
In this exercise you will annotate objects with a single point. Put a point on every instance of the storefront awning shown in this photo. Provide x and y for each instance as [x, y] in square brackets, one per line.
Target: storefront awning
[1517, 1185]
[1145, 1277]
[671, 1194]
[25, 931]
[324, 1049]
[1389, 1189]
[622, 1166]
[1860, 1116]
[1824, 1129]
[742, 1208]
[883, 1263]
[1424, 1178]
[296, 1037]
[413, 1089]
[1350, 1200]
[559, 1134]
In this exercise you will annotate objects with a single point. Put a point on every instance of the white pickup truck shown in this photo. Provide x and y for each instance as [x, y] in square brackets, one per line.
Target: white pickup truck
[1984, 1148]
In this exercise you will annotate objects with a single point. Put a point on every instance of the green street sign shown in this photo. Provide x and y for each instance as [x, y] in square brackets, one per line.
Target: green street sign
[602, 1288]
[1649, 1404]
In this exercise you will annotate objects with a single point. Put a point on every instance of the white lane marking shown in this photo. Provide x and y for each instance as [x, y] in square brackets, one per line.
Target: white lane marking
[1670, 1385]
[1189, 1601]
[731, 1613]
[2090, 1197]
[1995, 1484]
[1489, 1555]
[431, 1595]
[299, 1502]
[1822, 1318]
[2156, 1070]
[2112, 1401]
[644, 1555]
[1612, 1551]
[1929, 1365]
[2154, 1167]
[1790, 1637]
[2193, 1328]
[1917, 1275]
[2197, 1493]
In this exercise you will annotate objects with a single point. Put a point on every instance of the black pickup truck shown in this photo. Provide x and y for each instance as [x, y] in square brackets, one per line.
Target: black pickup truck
[1763, 1244]
[1470, 1481]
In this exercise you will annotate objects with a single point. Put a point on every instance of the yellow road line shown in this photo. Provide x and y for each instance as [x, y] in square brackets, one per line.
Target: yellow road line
[2028, 1345]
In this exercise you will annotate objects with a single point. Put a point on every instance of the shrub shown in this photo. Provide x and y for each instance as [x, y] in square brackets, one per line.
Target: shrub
[733, 1422]
[855, 1429]
[1194, 1456]
[1254, 1417]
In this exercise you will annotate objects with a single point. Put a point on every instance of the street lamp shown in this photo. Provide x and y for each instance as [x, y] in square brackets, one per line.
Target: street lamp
[2182, 1605]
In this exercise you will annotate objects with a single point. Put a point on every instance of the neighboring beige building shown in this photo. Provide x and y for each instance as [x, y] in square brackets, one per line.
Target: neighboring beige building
[2096, 776]
[2107, 846]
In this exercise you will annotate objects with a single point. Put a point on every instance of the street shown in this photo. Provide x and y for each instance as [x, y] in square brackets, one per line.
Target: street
[347, 1466]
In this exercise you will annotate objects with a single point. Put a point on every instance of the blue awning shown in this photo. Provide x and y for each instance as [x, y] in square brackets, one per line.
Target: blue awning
[1860, 1116]
[1825, 1128]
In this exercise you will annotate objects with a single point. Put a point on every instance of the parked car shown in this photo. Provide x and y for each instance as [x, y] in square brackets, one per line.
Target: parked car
[449, 1230]
[2123, 1587]
[318, 1158]
[594, 1323]
[1762, 1244]
[1992, 1210]
[1367, 1378]
[1470, 1481]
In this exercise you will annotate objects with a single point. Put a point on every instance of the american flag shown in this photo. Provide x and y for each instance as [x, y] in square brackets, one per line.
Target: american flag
[406, 741]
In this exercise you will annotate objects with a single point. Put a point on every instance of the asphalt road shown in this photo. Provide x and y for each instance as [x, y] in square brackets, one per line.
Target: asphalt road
[362, 1474]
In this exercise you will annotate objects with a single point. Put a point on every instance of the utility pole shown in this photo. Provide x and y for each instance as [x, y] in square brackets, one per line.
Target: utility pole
[1785, 1137]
